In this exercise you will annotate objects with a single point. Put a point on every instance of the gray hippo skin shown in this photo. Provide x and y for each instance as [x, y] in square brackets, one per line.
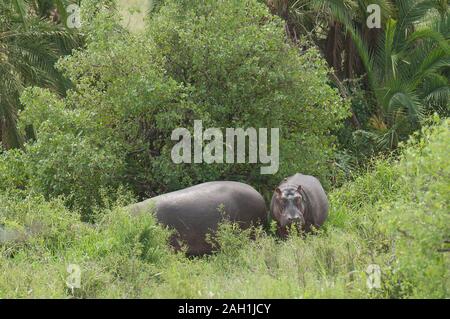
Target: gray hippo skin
[195, 211]
[300, 200]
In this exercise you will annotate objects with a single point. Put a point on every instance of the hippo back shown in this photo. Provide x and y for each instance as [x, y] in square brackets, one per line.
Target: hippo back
[197, 211]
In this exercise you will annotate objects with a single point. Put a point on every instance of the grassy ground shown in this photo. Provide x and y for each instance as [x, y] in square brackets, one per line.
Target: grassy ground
[395, 216]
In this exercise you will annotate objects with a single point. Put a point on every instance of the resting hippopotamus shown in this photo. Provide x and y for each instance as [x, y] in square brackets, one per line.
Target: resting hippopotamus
[196, 211]
[299, 199]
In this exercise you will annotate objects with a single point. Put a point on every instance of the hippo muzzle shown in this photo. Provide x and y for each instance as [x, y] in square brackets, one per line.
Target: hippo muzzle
[292, 216]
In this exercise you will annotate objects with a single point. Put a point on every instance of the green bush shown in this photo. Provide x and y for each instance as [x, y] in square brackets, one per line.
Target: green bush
[224, 62]
[233, 58]
[69, 158]
[419, 220]
[118, 257]
[400, 210]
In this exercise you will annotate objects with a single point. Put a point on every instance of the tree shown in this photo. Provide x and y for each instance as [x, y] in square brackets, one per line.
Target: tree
[30, 44]
[406, 69]
[405, 62]
[223, 62]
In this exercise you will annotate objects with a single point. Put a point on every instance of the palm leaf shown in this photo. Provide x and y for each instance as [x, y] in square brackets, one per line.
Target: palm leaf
[22, 11]
[60, 5]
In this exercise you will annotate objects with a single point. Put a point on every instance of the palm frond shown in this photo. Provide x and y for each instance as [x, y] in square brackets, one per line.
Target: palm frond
[22, 12]
[30, 45]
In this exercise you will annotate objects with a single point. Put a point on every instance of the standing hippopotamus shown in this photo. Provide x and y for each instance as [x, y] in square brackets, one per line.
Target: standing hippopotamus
[299, 199]
[196, 211]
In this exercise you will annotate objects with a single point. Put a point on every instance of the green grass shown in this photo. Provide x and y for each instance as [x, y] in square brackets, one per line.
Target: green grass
[395, 216]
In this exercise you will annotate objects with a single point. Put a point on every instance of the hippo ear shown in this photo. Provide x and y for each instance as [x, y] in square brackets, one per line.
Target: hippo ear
[299, 189]
[278, 192]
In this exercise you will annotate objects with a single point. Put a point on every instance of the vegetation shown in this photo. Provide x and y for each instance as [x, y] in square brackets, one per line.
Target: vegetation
[86, 130]
[394, 216]
[404, 64]
[31, 41]
[116, 129]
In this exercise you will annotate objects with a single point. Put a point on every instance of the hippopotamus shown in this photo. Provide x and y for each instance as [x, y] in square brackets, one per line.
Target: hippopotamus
[299, 200]
[196, 211]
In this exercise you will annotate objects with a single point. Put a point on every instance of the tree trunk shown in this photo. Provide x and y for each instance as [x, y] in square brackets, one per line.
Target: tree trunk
[2, 133]
[281, 8]
[9, 136]
[350, 60]
[333, 47]
[344, 93]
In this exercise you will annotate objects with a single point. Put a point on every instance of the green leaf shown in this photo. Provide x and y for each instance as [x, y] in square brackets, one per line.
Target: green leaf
[22, 11]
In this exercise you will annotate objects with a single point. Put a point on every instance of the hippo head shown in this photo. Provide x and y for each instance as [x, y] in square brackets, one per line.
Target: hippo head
[288, 207]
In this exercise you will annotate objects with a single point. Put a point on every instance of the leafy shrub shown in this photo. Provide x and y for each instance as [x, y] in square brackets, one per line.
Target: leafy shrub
[72, 157]
[419, 220]
[119, 257]
[233, 57]
[70, 165]
[210, 61]
[13, 173]
[400, 210]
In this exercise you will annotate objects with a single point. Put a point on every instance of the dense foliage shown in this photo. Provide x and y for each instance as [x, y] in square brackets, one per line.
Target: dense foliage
[131, 91]
[32, 39]
[403, 65]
